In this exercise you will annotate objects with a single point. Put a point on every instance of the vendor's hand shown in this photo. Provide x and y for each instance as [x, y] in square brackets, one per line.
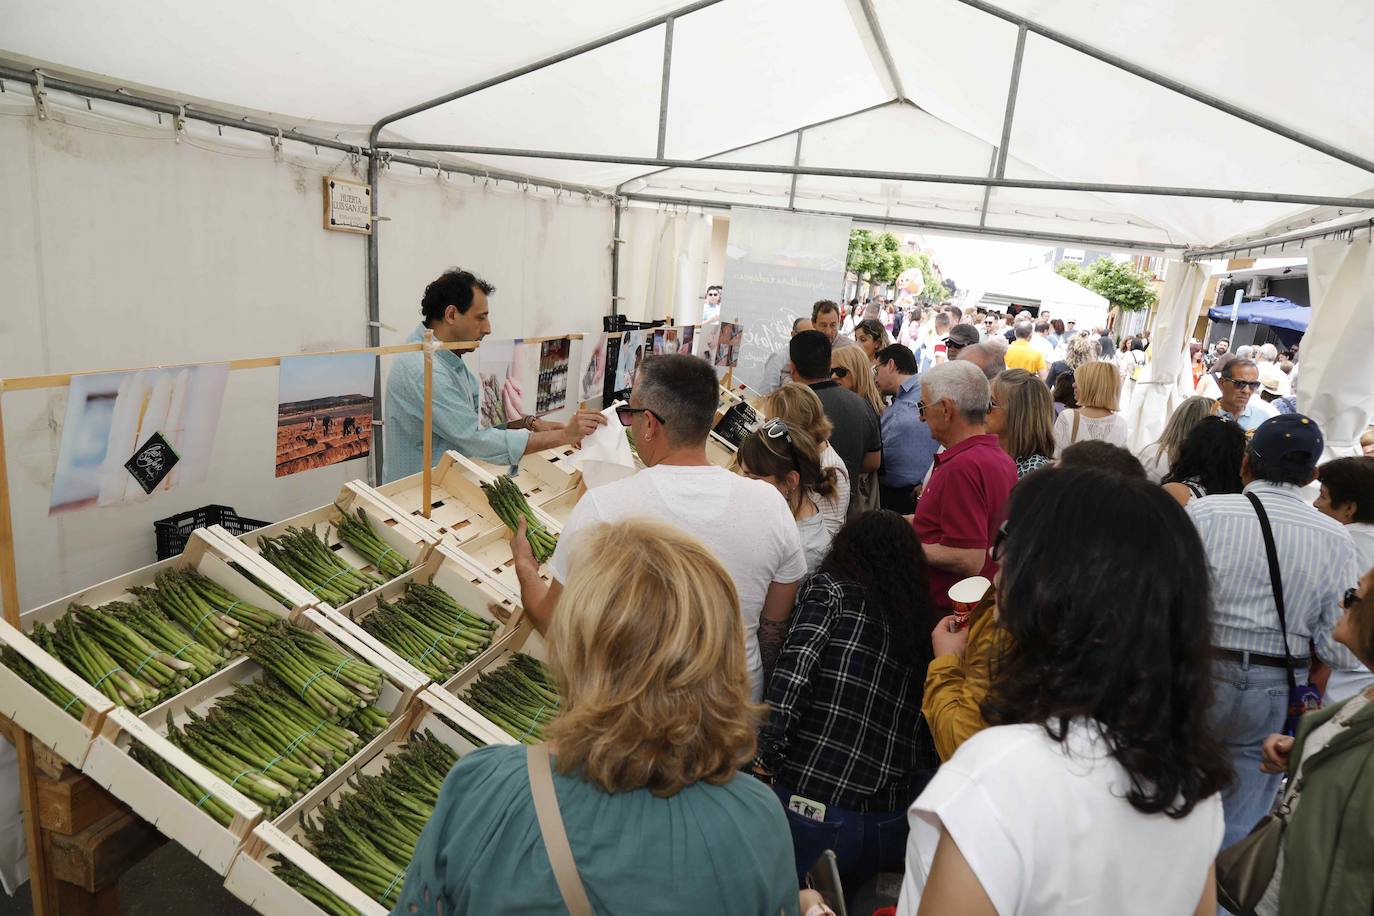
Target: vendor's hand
[583, 424]
[946, 642]
[810, 898]
[520, 549]
[1274, 754]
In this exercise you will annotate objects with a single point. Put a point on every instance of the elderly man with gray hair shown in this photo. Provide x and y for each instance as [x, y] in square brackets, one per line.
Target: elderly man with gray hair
[989, 356]
[962, 505]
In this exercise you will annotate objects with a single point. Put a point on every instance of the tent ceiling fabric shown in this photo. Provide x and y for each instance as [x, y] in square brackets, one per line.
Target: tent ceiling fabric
[744, 71]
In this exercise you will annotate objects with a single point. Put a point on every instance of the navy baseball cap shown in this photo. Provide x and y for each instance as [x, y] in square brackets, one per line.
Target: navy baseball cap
[1290, 438]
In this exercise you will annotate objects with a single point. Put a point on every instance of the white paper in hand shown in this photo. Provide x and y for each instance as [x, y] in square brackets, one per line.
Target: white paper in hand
[607, 445]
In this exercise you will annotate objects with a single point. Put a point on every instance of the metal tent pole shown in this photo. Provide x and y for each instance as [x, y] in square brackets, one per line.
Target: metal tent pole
[663, 84]
[1208, 253]
[1159, 79]
[1000, 154]
[885, 175]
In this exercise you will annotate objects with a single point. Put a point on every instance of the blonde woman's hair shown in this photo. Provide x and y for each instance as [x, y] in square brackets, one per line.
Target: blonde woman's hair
[861, 369]
[798, 407]
[1184, 418]
[1082, 349]
[1099, 385]
[647, 648]
[1030, 414]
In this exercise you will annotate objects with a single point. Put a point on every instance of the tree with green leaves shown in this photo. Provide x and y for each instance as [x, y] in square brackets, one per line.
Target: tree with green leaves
[1116, 281]
[876, 258]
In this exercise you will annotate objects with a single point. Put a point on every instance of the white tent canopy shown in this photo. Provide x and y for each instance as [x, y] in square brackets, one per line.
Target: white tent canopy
[878, 86]
[1043, 287]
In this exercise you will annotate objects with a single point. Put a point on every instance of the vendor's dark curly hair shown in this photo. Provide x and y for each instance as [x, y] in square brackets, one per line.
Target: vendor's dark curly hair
[1125, 641]
[880, 551]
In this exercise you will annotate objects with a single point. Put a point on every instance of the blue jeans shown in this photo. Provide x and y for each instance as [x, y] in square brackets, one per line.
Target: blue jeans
[864, 842]
[1250, 703]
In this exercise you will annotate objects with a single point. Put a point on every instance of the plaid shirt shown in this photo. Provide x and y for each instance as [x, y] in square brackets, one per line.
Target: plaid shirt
[846, 705]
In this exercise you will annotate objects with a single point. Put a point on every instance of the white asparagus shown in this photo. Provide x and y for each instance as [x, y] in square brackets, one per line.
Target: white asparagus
[123, 425]
[175, 430]
[154, 419]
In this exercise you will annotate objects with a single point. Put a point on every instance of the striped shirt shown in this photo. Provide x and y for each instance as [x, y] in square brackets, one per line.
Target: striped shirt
[1316, 560]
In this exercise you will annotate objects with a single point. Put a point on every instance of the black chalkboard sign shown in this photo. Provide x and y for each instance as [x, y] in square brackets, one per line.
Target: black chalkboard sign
[151, 464]
[739, 421]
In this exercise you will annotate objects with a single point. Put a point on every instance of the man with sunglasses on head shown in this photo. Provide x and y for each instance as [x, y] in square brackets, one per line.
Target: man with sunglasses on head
[746, 523]
[1238, 382]
[856, 436]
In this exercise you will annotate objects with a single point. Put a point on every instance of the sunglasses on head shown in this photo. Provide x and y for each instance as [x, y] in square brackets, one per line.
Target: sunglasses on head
[839, 372]
[1241, 383]
[626, 414]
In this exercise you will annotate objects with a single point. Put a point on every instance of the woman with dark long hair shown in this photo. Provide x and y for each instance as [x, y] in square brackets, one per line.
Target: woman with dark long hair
[844, 731]
[1097, 787]
[1208, 461]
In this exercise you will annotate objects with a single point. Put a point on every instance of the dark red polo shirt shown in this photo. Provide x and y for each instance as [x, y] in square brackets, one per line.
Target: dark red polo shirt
[963, 505]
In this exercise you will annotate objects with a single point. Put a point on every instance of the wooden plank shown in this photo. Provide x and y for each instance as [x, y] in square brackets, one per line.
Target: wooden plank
[95, 858]
[72, 803]
[80, 902]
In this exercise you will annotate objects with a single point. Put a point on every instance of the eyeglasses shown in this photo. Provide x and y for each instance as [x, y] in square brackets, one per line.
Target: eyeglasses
[1241, 384]
[627, 415]
[839, 372]
[1350, 599]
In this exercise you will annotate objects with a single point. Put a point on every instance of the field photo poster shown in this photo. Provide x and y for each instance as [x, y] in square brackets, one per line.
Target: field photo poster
[324, 410]
[118, 425]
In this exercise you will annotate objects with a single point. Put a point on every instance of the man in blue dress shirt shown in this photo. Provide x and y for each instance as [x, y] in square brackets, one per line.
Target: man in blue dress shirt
[455, 308]
[908, 448]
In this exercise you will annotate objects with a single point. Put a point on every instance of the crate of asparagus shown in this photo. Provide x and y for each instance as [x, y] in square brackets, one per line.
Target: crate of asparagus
[271, 726]
[541, 477]
[46, 698]
[143, 637]
[436, 619]
[341, 551]
[514, 691]
[345, 847]
[459, 511]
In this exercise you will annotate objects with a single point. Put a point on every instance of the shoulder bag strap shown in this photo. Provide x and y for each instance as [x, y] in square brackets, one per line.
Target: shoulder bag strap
[1073, 436]
[555, 836]
[1275, 581]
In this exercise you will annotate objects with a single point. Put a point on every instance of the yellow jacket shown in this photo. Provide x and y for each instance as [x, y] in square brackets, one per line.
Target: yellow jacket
[957, 684]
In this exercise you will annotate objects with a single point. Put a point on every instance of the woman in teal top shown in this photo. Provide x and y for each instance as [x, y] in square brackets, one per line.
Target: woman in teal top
[647, 648]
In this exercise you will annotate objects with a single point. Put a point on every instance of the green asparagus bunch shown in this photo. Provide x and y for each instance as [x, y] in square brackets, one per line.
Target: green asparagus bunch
[309, 888]
[328, 681]
[147, 621]
[85, 655]
[429, 629]
[206, 622]
[302, 555]
[184, 787]
[36, 679]
[357, 532]
[510, 506]
[367, 722]
[135, 654]
[369, 836]
[520, 697]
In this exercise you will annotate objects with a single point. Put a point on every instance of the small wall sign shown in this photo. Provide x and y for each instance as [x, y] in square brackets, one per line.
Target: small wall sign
[152, 463]
[347, 205]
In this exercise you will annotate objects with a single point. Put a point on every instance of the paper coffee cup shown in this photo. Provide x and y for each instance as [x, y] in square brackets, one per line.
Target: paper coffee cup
[965, 595]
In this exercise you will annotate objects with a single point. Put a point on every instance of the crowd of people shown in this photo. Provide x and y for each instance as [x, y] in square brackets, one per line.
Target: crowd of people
[761, 665]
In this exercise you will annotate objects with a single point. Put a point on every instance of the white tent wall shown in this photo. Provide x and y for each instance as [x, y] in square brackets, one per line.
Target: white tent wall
[1335, 375]
[663, 264]
[121, 247]
[1167, 380]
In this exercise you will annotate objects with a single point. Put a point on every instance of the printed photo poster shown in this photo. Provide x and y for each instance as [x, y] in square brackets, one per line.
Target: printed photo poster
[127, 435]
[730, 337]
[594, 375]
[686, 337]
[551, 390]
[498, 371]
[710, 335]
[632, 351]
[324, 410]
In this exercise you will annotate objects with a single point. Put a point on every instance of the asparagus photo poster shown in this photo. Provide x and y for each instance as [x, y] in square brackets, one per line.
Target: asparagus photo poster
[111, 416]
[324, 410]
[594, 376]
[503, 390]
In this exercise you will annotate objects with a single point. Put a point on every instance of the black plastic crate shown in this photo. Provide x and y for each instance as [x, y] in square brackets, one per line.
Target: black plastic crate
[174, 531]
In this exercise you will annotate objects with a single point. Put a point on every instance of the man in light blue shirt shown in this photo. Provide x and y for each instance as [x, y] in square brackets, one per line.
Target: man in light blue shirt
[775, 371]
[455, 308]
[908, 448]
[1316, 559]
[1239, 381]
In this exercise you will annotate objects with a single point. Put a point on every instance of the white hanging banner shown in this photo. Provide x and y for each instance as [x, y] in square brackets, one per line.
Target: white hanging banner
[1166, 381]
[1335, 373]
[777, 265]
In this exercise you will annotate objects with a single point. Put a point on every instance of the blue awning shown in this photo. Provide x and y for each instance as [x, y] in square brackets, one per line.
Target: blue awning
[1271, 310]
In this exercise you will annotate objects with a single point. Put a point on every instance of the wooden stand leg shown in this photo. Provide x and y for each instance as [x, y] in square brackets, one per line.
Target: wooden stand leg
[78, 900]
[426, 473]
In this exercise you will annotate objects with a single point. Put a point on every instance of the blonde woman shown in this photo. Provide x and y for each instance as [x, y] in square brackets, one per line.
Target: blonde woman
[1162, 454]
[1079, 350]
[646, 750]
[798, 407]
[1021, 415]
[854, 371]
[1097, 388]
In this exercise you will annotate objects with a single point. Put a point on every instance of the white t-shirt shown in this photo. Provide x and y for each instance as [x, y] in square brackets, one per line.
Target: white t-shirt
[1050, 832]
[1111, 428]
[835, 509]
[815, 540]
[745, 523]
[1044, 346]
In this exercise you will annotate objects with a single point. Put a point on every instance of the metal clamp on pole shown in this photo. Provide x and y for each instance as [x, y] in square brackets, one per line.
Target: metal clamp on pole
[40, 95]
[276, 145]
[179, 123]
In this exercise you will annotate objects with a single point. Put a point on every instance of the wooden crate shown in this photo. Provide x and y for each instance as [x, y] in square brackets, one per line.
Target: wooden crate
[491, 555]
[36, 714]
[455, 575]
[458, 509]
[408, 540]
[720, 453]
[111, 765]
[541, 478]
[523, 639]
[253, 879]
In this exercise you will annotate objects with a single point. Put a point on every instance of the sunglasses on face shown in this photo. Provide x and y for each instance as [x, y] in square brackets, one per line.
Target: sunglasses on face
[839, 372]
[627, 415]
[1350, 598]
[1241, 384]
